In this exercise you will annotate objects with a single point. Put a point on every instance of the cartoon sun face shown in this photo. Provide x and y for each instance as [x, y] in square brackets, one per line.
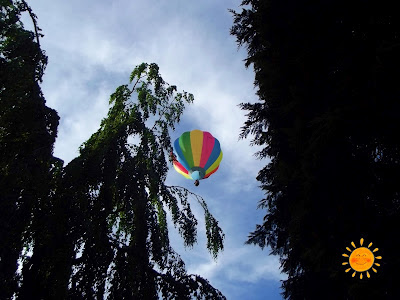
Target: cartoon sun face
[361, 259]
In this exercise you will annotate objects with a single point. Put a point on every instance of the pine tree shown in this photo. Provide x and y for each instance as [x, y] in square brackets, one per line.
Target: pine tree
[328, 118]
[107, 234]
[28, 129]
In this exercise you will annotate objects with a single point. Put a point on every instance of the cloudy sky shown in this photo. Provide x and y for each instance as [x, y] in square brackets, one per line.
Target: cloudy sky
[93, 45]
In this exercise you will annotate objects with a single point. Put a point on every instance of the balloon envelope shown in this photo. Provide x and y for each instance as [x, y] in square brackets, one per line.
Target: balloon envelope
[197, 154]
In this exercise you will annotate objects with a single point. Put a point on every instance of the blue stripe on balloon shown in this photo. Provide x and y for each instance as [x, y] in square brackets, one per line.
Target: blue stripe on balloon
[214, 155]
[179, 155]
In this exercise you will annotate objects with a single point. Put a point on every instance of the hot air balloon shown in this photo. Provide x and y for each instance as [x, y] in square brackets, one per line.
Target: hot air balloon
[197, 155]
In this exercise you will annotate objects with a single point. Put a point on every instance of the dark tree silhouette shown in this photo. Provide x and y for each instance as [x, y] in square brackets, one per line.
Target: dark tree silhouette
[328, 117]
[28, 129]
[107, 233]
[96, 228]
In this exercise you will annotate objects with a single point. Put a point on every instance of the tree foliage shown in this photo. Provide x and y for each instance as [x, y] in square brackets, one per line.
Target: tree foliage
[28, 129]
[328, 117]
[97, 227]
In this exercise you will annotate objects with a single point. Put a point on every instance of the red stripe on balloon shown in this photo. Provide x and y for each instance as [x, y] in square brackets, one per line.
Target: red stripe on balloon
[208, 145]
[180, 167]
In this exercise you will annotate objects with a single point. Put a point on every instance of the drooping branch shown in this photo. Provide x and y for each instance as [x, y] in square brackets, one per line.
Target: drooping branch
[215, 236]
[33, 17]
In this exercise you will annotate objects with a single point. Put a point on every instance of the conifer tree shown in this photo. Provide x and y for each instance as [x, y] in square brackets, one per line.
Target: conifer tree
[107, 235]
[328, 117]
[28, 129]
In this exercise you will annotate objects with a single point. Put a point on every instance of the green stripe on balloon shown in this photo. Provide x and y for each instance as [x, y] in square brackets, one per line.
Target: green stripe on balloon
[184, 144]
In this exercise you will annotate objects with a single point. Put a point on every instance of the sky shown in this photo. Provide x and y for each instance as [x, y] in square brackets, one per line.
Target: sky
[93, 46]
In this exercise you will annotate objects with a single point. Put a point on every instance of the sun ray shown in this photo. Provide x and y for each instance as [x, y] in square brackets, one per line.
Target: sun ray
[349, 249]
[376, 249]
[370, 244]
[352, 243]
[377, 264]
[348, 270]
[345, 263]
[374, 270]
[354, 274]
[368, 275]
[378, 257]
[360, 275]
[345, 255]
[361, 241]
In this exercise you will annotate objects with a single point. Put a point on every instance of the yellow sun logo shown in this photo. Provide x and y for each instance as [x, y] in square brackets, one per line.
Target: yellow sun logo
[361, 259]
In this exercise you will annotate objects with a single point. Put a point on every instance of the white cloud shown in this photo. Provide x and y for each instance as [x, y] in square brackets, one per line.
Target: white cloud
[77, 128]
[245, 264]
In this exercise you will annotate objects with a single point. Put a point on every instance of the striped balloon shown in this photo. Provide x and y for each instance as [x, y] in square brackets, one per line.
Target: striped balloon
[197, 154]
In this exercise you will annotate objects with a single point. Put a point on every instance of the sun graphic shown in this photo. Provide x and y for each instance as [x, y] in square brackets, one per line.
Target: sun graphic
[361, 259]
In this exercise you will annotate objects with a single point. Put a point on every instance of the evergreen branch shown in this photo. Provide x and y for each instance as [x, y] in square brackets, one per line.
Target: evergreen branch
[215, 236]
[137, 81]
[33, 17]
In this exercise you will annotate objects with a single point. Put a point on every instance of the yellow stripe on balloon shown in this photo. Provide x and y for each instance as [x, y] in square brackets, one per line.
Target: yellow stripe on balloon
[180, 172]
[215, 164]
[196, 141]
